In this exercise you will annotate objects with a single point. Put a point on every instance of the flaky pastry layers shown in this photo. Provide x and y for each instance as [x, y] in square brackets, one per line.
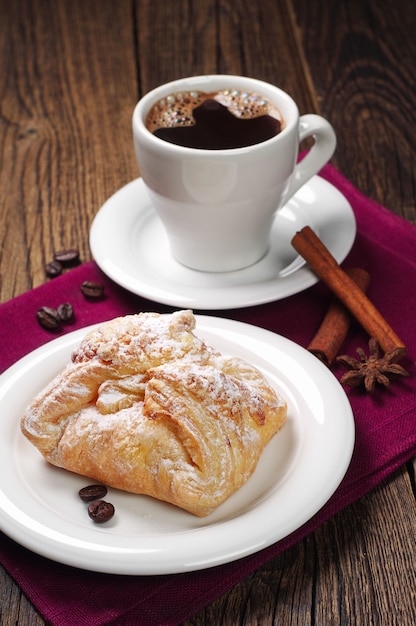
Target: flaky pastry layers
[148, 407]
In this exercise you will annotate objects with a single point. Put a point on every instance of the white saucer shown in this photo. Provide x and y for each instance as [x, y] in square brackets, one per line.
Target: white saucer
[129, 244]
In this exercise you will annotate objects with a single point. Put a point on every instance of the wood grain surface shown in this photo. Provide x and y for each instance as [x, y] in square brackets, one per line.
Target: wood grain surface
[71, 73]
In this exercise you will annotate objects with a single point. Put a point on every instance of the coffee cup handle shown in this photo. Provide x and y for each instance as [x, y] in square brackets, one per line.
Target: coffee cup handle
[320, 153]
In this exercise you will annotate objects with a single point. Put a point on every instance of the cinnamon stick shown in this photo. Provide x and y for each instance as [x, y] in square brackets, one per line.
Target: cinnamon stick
[325, 266]
[331, 334]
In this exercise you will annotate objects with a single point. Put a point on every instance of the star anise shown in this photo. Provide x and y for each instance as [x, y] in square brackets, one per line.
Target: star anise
[374, 368]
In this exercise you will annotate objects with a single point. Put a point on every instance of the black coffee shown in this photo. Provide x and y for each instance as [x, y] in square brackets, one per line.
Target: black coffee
[220, 120]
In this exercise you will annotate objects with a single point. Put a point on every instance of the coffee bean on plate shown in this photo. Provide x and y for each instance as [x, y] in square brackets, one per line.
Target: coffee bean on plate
[65, 311]
[100, 511]
[92, 492]
[92, 289]
[48, 318]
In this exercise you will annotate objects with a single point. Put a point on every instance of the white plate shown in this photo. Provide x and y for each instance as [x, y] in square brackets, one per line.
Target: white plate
[130, 245]
[297, 473]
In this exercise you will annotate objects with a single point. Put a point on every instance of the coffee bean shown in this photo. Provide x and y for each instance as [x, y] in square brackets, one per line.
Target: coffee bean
[48, 318]
[92, 492]
[54, 268]
[92, 290]
[100, 511]
[65, 311]
[67, 257]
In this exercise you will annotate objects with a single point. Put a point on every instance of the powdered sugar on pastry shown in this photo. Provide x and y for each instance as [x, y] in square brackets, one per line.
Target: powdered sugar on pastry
[144, 340]
[148, 407]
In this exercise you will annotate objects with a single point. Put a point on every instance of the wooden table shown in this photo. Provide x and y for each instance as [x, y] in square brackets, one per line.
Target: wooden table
[71, 73]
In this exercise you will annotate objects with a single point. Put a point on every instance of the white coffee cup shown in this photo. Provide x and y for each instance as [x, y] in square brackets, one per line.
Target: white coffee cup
[218, 206]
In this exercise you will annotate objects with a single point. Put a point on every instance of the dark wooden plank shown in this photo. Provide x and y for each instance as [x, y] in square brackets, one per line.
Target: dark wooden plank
[174, 39]
[15, 609]
[362, 59]
[260, 39]
[230, 37]
[69, 91]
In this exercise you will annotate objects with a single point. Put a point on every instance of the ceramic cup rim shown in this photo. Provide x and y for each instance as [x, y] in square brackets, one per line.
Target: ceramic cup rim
[211, 82]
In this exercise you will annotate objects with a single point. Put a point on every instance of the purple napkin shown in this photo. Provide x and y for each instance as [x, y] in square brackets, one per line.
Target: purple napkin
[385, 421]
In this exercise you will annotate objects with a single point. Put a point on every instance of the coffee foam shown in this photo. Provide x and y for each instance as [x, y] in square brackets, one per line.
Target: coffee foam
[177, 108]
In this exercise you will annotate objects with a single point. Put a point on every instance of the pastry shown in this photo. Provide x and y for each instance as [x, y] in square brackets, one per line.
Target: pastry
[148, 407]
